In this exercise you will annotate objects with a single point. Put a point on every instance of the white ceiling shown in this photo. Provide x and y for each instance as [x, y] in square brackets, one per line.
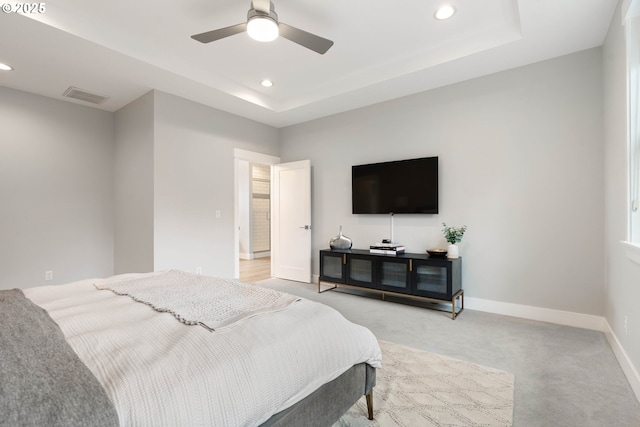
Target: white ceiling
[383, 50]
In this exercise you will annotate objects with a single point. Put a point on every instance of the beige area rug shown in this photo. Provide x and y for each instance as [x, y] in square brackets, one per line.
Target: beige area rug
[419, 389]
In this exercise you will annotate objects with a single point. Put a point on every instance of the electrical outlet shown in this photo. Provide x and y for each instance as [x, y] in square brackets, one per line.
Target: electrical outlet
[218, 214]
[48, 275]
[199, 271]
[626, 325]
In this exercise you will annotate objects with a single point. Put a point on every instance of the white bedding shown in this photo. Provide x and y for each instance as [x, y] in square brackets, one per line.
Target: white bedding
[212, 302]
[158, 371]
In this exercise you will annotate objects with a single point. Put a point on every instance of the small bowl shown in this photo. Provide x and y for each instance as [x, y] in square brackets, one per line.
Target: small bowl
[437, 252]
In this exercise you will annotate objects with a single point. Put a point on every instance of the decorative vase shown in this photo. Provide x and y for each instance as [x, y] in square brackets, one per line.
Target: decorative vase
[452, 251]
[340, 241]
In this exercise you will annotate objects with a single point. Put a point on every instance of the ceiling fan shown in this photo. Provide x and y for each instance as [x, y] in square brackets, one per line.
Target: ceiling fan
[262, 25]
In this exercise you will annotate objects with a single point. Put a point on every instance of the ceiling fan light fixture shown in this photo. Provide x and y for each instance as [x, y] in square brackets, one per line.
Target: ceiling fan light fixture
[262, 28]
[262, 24]
[445, 12]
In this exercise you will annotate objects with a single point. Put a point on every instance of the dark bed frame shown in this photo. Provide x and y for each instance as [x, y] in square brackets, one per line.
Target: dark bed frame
[327, 404]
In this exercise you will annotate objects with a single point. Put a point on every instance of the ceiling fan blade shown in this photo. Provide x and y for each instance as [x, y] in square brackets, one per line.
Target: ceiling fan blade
[221, 33]
[263, 6]
[303, 38]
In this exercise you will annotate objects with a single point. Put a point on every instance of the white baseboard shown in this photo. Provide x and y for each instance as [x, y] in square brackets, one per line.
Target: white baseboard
[263, 254]
[568, 318]
[255, 255]
[625, 363]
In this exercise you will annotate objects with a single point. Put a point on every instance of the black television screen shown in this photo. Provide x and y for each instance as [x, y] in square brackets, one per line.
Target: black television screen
[403, 186]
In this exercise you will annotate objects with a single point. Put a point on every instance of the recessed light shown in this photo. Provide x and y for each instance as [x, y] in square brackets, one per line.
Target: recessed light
[266, 83]
[445, 12]
[5, 67]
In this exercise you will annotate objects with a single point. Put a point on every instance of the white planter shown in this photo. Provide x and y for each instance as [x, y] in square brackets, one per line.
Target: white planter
[452, 251]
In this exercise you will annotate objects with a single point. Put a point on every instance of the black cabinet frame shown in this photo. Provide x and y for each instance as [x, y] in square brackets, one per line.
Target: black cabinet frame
[412, 276]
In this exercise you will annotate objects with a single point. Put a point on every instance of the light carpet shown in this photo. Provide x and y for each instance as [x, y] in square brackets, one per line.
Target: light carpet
[417, 388]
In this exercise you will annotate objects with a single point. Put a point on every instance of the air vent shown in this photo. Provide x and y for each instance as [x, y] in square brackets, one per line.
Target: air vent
[83, 95]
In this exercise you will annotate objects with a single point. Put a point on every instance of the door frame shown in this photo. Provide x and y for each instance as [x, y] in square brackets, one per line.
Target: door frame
[252, 157]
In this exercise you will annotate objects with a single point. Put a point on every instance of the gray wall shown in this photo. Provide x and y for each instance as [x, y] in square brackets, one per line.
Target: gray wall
[622, 275]
[194, 178]
[56, 190]
[87, 193]
[133, 181]
[520, 156]
[521, 165]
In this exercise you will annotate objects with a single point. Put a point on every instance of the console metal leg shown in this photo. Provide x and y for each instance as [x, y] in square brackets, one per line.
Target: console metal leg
[328, 289]
[460, 295]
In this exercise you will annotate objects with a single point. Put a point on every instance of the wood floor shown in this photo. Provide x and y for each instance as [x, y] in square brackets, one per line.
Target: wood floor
[254, 270]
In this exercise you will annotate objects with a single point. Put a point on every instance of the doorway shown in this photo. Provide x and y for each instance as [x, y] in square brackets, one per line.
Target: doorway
[255, 243]
[252, 215]
[290, 240]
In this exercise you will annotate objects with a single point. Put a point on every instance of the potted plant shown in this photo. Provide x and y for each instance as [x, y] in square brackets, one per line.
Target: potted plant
[453, 235]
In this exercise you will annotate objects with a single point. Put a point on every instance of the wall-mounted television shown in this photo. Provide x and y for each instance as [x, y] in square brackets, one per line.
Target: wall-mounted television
[398, 187]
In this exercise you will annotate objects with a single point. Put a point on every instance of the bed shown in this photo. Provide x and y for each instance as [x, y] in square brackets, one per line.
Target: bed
[290, 362]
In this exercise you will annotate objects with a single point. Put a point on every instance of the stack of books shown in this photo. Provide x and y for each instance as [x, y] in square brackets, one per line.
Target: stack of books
[386, 249]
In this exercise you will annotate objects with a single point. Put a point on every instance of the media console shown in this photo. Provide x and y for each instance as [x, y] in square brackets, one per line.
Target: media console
[416, 276]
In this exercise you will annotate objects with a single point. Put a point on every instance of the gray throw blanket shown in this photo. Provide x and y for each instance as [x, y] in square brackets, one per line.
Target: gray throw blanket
[42, 380]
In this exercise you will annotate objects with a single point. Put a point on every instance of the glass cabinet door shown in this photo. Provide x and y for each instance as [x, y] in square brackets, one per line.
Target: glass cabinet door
[360, 271]
[332, 267]
[395, 275]
[430, 280]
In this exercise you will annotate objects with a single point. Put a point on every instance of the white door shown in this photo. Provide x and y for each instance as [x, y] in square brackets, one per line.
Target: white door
[291, 221]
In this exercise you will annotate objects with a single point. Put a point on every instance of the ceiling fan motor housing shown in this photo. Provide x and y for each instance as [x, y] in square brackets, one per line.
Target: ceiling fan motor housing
[259, 13]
